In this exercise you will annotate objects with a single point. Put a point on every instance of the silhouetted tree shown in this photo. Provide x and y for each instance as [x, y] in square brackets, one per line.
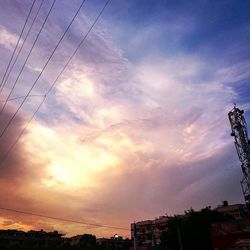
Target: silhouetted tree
[193, 230]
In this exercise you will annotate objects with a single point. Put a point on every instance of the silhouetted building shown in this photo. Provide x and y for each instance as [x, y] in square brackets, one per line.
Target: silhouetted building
[116, 242]
[148, 232]
[160, 226]
[15, 239]
[83, 241]
[143, 232]
[237, 211]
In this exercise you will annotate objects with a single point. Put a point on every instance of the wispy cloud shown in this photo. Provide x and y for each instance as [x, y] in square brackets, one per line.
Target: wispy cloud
[122, 137]
[7, 39]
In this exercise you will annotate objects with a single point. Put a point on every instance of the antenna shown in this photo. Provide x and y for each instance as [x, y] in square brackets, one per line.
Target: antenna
[242, 144]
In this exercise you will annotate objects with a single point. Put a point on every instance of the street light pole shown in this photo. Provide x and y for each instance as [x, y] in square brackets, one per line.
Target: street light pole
[116, 237]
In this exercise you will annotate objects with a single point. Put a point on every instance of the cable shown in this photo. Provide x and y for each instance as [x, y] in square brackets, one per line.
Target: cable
[53, 84]
[12, 66]
[18, 138]
[62, 219]
[20, 97]
[14, 51]
[45, 20]
[22, 132]
[47, 62]
[78, 47]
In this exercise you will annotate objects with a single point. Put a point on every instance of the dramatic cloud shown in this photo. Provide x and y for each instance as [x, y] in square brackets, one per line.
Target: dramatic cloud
[134, 128]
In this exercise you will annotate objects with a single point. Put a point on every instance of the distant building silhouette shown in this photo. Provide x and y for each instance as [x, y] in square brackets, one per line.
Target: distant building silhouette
[237, 211]
[85, 240]
[114, 243]
[41, 240]
[15, 239]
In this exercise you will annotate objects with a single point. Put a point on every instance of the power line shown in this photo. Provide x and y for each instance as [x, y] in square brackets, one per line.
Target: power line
[78, 47]
[24, 41]
[47, 62]
[20, 97]
[4, 157]
[62, 219]
[53, 84]
[27, 124]
[14, 51]
[37, 36]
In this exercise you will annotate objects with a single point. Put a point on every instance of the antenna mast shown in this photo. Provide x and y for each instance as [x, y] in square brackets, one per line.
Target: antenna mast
[242, 144]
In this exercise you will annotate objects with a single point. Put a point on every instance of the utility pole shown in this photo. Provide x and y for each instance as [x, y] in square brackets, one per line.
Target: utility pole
[242, 144]
[179, 238]
[134, 236]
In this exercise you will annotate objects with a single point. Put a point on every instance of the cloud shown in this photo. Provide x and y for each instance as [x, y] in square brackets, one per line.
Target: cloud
[120, 139]
[8, 39]
[236, 72]
[111, 151]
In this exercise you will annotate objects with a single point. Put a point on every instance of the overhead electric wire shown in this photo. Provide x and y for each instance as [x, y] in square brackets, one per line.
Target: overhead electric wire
[47, 62]
[62, 219]
[20, 49]
[27, 124]
[21, 133]
[61, 72]
[78, 46]
[31, 49]
[20, 97]
[19, 38]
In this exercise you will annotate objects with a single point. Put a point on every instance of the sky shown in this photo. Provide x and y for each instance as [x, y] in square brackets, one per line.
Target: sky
[136, 126]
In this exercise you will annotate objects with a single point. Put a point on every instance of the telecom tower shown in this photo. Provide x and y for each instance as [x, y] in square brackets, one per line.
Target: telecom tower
[242, 144]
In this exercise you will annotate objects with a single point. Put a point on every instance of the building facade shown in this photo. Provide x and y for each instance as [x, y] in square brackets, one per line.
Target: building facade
[234, 235]
[236, 211]
[147, 234]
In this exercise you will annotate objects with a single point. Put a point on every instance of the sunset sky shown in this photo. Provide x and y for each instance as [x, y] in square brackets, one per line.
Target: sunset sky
[136, 126]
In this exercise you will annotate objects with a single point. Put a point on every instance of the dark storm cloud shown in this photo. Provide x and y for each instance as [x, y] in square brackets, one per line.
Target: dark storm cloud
[12, 165]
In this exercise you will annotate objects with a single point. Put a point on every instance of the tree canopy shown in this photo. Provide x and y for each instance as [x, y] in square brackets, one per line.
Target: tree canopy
[191, 230]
